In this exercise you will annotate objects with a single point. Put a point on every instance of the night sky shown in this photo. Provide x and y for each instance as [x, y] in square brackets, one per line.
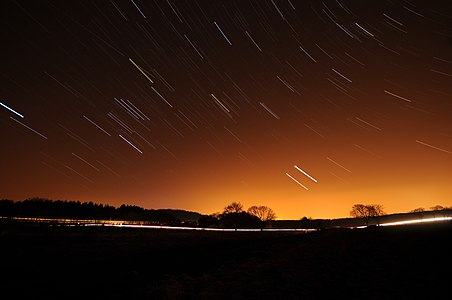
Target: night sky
[307, 107]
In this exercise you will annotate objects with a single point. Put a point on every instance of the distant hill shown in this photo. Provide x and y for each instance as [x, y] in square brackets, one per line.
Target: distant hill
[355, 222]
[182, 215]
[45, 208]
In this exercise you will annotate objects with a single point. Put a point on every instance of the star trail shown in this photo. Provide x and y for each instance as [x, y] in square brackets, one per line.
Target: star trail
[193, 104]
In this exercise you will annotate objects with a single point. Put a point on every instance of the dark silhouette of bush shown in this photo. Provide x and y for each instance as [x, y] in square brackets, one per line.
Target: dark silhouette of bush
[239, 220]
[209, 221]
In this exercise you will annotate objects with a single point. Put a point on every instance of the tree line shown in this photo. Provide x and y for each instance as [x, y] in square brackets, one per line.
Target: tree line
[44, 208]
[234, 216]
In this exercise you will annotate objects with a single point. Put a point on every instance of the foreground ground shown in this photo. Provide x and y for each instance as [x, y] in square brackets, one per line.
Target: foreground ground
[117, 263]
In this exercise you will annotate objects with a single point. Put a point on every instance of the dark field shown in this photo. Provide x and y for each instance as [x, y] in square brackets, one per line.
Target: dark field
[115, 263]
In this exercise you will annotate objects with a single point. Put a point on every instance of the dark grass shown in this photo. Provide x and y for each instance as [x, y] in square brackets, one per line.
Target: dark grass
[39, 262]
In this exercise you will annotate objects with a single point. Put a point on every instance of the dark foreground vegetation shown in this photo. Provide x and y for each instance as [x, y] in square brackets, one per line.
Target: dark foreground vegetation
[42, 262]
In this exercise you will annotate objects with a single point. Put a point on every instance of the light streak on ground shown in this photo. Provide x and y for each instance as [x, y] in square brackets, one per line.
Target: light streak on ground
[11, 110]
[397, 96]
[145, 225]
[417, 221]
[131, 144]
[28, 127]
[137, 225]
[297, 181]
[309, 176]
[209, 229]
[339, 165]
[142, 72]
[224, 35]
[433, 147]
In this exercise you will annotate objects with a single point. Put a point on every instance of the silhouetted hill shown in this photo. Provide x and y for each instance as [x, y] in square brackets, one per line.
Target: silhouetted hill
[356, 222]
[45, 208]
[182, 215]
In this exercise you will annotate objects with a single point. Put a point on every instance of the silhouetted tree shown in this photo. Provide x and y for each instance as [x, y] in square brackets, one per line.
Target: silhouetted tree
[264, 213]
[234, 207]
[438, 207]
[417, 210]
[367, 211]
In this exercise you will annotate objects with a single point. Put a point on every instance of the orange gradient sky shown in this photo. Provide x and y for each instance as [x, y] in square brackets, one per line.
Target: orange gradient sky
[217, 103]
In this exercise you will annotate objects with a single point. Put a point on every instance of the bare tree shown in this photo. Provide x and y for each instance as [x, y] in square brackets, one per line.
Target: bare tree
[234, 207]
[264, 213]
[367, 211]
[377, 210]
